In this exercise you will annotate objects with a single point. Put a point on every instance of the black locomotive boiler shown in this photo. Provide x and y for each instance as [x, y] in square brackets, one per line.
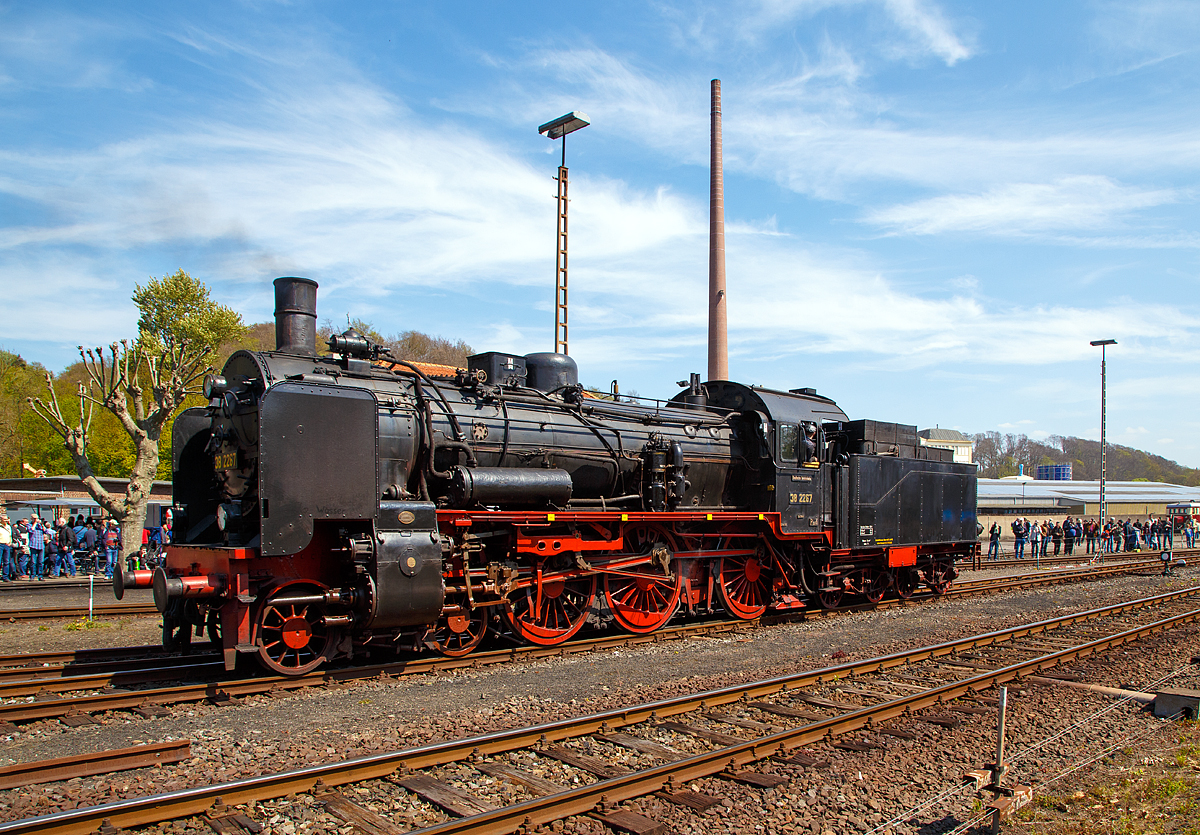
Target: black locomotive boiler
[327, 505]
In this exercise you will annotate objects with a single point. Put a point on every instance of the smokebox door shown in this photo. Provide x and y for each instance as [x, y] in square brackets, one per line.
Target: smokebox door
[317, 448]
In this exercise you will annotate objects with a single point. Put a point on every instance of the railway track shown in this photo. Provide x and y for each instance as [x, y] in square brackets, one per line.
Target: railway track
[744, 734]
[107, 610]
[32, 688]
[979, 563]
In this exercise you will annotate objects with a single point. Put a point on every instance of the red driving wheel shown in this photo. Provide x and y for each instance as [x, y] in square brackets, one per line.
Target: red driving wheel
[744, 582]
[548, 612]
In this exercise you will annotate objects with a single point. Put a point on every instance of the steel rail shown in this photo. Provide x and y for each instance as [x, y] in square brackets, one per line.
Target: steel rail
[78, 656]
[982, 563]
[94, 762]
[75, 681]
[228, 689]
[45, 673]
[173, 805]
[1011, 581]
[75, 612]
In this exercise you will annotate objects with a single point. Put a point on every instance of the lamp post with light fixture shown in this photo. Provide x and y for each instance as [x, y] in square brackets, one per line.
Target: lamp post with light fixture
[1103, 343]
[558, 129]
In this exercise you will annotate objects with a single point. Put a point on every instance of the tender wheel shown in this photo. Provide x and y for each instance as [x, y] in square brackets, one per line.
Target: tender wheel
[460, 633]
[644, 603]
[939, 576]
[291, 638]
[830, 586]
[551, 611]
[830, 598]
[876, 582]
[907, 580]
[745, 585]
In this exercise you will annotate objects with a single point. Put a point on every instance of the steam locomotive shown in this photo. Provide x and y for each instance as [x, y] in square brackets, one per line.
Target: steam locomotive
[328, 505]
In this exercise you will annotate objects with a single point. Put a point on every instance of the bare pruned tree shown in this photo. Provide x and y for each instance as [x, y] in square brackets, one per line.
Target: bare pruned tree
[142, 385]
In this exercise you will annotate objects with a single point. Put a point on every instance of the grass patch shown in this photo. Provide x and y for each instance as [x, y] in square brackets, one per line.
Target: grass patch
[1131, 794]
[84, 623]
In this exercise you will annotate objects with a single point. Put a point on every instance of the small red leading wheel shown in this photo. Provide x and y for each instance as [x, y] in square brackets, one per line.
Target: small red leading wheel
[645, 602]
[548, 612]
[459, 633]
[745, 586]
[291, 635]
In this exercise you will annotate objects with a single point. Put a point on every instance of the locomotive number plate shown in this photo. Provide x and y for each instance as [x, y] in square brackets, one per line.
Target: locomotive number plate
[226, 460]
[800, 498]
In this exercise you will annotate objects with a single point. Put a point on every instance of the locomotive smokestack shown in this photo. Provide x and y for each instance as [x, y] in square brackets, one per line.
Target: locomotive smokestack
[296, 315]
[718, 347]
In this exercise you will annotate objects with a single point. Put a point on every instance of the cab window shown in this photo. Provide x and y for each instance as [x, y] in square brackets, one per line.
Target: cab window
[789, 440]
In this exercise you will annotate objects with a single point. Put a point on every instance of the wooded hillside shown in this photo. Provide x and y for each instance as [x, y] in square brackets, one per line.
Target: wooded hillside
[1000, 455]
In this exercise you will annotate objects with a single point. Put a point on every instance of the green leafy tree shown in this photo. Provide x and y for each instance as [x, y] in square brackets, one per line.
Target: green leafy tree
[19, 380]
[142, 384]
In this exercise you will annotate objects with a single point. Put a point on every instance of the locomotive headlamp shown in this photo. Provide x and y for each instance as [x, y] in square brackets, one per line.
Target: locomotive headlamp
[227, 515]
[351, 343]
[214, 386]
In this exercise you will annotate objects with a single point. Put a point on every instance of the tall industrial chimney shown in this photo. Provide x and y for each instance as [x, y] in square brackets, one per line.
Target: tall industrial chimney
[718, 347]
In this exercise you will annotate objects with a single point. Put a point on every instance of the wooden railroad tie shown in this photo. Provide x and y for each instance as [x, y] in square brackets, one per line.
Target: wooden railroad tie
[443, 795]
[643, 746]
[236, 824]
[584, 762]
[338, 805]
[755, 778]
[702, 733]
[820, 701]
[784, 710]
[748, 724]
[803, 758]
[535, 784]
[624, 820]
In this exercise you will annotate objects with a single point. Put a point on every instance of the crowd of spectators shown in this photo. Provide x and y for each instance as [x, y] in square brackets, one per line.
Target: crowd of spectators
[35, 548]
[1051, 538]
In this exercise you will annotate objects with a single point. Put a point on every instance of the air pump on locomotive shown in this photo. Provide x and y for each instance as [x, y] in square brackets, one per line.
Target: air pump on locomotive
[328, 505]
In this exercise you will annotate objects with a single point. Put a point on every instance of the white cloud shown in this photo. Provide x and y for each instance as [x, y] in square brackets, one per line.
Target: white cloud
[928, 25]
[1080, 203]
[924, 27]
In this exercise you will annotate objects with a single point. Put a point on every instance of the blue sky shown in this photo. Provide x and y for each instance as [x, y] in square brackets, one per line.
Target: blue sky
[931, 208]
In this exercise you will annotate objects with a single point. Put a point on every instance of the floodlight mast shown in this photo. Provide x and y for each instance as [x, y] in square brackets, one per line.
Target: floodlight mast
[1103, 343]
[558, 129]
